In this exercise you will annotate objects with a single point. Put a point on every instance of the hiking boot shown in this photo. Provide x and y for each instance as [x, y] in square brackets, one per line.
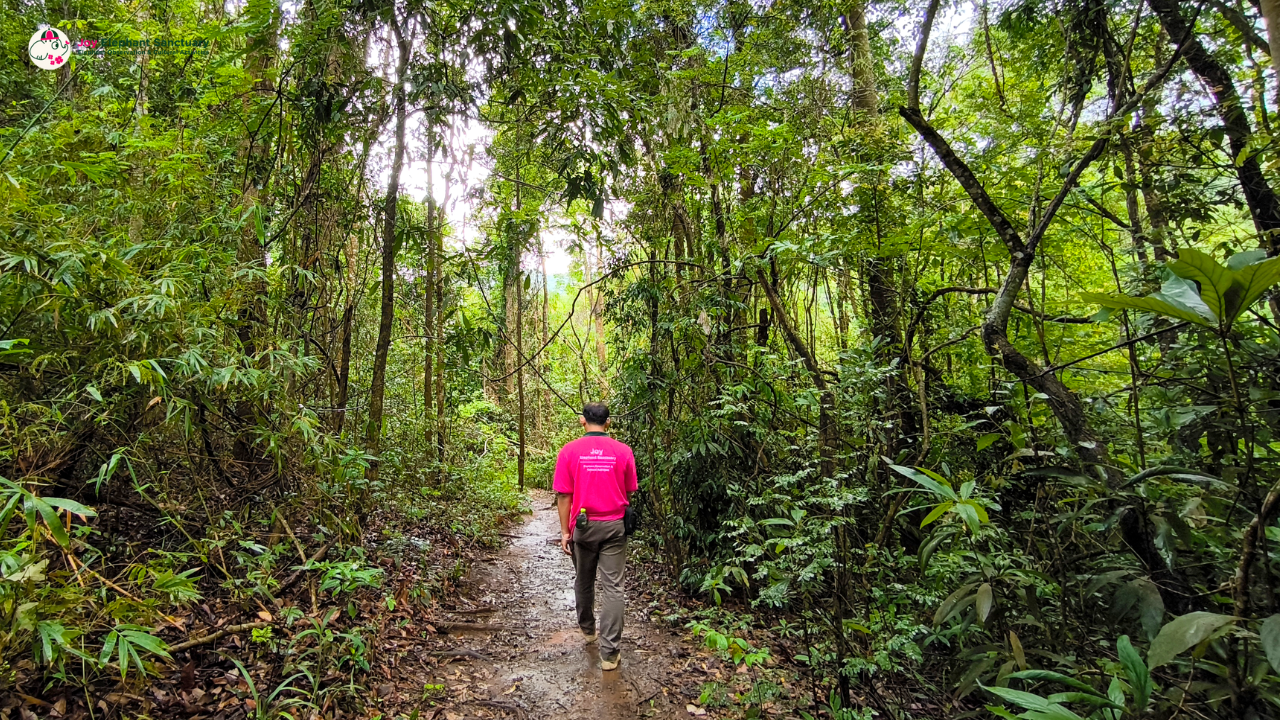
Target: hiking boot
[610, 662]
[588, 637]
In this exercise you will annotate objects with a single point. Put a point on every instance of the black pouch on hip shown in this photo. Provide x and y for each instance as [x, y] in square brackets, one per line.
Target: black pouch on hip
[630, 520]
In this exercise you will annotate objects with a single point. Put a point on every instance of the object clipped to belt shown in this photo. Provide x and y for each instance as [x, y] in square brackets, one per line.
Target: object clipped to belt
[630, 521]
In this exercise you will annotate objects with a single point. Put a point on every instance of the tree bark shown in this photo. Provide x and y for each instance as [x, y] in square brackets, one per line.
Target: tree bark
[1064, 403]
[344, 369]
[373, 428]
[429, 326]
[863, 69]
[254, 153]
[1271, 13]
[1263, 204]
[597, 314]
[520, 381]
[544, 319]
[441, 414]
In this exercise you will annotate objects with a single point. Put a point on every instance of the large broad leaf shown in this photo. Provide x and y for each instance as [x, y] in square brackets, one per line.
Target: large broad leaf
[1270, 634]
[1182, 633]
[1241, 260]
[1139, 676]
[1215, 281]
[1143, 593]
[1185, 294]
[1256, 278]
[1148, 304]
[1203, 291]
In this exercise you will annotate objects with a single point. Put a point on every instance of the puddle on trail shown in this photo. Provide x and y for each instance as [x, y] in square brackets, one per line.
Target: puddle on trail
[540, 667]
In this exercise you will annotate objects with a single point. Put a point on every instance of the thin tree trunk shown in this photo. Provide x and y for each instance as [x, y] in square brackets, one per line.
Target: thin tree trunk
[441, 415]
[429, 322]
[344, 368]
[597, 314]
[249, 250]
[1263, 204]
[1271, 12]
[520, 381]
[373, 428]
[544, 397]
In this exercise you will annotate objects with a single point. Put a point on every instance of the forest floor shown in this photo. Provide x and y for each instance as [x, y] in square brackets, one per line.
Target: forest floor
[517, 652]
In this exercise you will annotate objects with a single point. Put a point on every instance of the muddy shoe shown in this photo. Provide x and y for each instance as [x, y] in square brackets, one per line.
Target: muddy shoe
[588, 637]
[611, 662]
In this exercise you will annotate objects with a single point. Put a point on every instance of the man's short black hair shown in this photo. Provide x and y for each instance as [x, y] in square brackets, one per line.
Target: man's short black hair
[595, 413]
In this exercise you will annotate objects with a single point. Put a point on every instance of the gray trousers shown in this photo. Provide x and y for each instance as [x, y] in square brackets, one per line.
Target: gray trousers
[602, 547]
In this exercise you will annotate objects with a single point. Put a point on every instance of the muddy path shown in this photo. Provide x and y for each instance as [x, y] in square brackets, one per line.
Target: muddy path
[515, 649]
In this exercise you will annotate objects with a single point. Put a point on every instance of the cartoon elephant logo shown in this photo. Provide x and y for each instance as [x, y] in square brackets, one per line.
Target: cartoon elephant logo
[49, 48]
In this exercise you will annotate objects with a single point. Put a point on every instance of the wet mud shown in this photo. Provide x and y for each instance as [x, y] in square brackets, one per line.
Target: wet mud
[515, 612]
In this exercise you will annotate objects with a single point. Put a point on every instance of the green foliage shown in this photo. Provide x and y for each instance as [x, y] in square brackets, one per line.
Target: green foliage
[1204, 292]
[1185, 632]
[735, 649]
[126, 640]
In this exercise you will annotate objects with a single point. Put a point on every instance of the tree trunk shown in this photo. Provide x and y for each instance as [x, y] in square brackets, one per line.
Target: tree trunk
[429, 325]
[373, 428]
[441, 414]
[249, 250]
[544, 399]
[1262, 201]
[520, 382]
[597, 314]
[1271, 12]
[864, 76]
[1066, 406]
[344, 369]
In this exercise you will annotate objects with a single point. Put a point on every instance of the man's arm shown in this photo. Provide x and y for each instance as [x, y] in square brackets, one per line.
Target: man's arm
[564, 502]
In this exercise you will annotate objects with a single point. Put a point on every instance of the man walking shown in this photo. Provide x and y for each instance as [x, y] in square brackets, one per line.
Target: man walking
[596, 474]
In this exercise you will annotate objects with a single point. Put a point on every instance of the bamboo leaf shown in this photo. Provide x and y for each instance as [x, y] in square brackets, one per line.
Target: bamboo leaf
[936, 513]
[51, 519]
[1051, 676]
[944, 610]
[982, 604]
[1136, 670]
[932, 485]
[72, 507]
[970, 516]
[1018, 654]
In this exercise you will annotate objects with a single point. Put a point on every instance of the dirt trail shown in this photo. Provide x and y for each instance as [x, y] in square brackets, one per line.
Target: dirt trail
[537, 665]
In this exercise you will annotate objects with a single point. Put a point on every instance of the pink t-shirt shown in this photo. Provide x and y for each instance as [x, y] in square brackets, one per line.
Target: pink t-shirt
[599, 472]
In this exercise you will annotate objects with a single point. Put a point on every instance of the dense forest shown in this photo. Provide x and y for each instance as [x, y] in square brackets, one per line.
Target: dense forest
[946, 335]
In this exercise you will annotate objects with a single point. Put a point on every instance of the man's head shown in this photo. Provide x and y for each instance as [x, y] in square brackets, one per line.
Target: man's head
[595, 416]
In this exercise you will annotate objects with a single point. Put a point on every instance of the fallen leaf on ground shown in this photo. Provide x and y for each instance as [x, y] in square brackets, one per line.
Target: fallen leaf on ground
[695, 710]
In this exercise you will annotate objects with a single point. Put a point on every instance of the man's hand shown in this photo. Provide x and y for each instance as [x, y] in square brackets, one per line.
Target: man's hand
[565, 539]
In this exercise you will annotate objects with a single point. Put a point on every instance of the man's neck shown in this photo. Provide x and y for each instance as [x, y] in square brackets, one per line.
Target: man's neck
[596, 430]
